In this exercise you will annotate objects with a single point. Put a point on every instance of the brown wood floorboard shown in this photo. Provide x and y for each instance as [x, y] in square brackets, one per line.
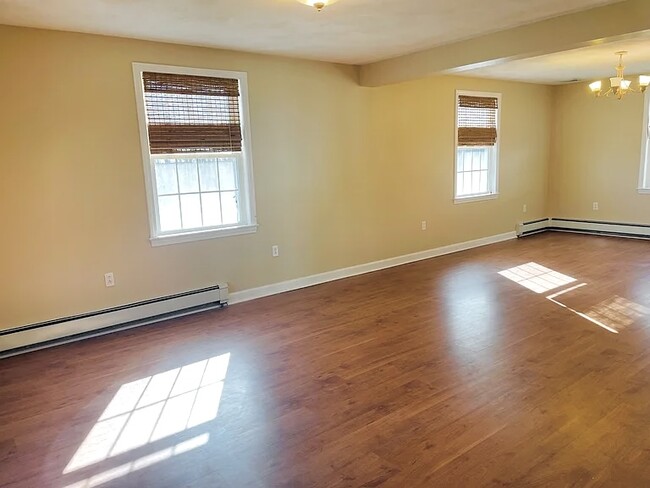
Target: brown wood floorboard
[437, 373]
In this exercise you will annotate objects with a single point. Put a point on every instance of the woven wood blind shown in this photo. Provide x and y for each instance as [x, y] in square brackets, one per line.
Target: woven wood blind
[477, 120]
[188, 114]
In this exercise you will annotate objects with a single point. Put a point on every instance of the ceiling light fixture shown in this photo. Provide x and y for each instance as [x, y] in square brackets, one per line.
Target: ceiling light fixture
[317, 4]
[619, 86]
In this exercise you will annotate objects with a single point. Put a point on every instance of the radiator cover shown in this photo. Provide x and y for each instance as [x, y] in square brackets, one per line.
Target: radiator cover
[54, 332]
[595, 227]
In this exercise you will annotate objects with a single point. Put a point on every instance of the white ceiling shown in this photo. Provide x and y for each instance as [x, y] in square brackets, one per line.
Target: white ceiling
[349, 31]
[586, 63]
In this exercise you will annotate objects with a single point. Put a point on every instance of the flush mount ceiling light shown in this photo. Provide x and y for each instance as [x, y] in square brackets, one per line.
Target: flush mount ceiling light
[619, 86]
[318, 4]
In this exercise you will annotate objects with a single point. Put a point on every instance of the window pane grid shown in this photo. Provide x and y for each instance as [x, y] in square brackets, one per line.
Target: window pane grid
[472, 176]
[190, 197]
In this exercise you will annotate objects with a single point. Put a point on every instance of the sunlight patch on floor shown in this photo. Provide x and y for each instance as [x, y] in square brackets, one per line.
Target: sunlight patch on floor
[141, 463]
[579, 314]
[153, 408]
[617, 312]
[613, 314]
[536, 277]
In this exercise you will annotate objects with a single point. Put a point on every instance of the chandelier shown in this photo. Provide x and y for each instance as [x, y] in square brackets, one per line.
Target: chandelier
[318, 4]
[619, 86]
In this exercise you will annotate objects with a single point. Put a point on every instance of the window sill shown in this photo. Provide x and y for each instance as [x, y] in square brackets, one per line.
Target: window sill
[167, 240]
[476, 198]
[644, 191]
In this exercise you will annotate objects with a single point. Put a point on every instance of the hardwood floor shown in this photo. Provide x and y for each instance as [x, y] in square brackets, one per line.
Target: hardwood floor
[440, 373]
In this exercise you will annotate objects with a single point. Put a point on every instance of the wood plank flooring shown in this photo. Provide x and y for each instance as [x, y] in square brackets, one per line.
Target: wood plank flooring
[442, 373]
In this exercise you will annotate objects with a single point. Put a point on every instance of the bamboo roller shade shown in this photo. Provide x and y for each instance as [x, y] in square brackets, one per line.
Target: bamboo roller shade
[477, 120]
[192, 114]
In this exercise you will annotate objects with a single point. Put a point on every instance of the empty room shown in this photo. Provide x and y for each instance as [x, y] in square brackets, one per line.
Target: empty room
[337, 243]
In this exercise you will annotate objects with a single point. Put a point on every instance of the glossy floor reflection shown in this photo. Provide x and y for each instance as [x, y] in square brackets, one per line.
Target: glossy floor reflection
[612, 314]
[438, 373]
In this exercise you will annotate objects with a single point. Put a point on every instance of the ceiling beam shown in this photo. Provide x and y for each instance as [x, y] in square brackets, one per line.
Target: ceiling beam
[593, 26]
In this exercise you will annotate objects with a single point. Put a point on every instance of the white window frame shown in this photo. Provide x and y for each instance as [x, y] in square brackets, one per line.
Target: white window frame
[493, 166]
[644, 172]
[246, 189]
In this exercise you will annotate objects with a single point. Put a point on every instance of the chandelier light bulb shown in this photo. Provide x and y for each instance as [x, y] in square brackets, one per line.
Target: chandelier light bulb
[596, 86]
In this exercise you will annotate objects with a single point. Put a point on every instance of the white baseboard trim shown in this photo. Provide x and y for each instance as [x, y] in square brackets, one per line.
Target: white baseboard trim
[317, 279]
[60, 331]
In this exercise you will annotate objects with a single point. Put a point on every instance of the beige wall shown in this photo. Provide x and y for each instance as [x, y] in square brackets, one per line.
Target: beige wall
[412, 153]
[596, 157]
[344, 174]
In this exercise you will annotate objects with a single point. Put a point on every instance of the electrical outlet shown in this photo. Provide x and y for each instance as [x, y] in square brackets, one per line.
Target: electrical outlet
[109, 280]
[525, 208]
[595, 206]
[424, 225]
[275, 250]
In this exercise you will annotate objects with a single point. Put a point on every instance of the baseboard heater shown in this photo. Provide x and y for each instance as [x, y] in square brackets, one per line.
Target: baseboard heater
[60, 331]
[532, 227]
[595, 227]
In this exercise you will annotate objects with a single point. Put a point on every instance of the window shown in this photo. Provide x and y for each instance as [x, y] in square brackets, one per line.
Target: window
[477, 145]
[196, 152]
[644, 177]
